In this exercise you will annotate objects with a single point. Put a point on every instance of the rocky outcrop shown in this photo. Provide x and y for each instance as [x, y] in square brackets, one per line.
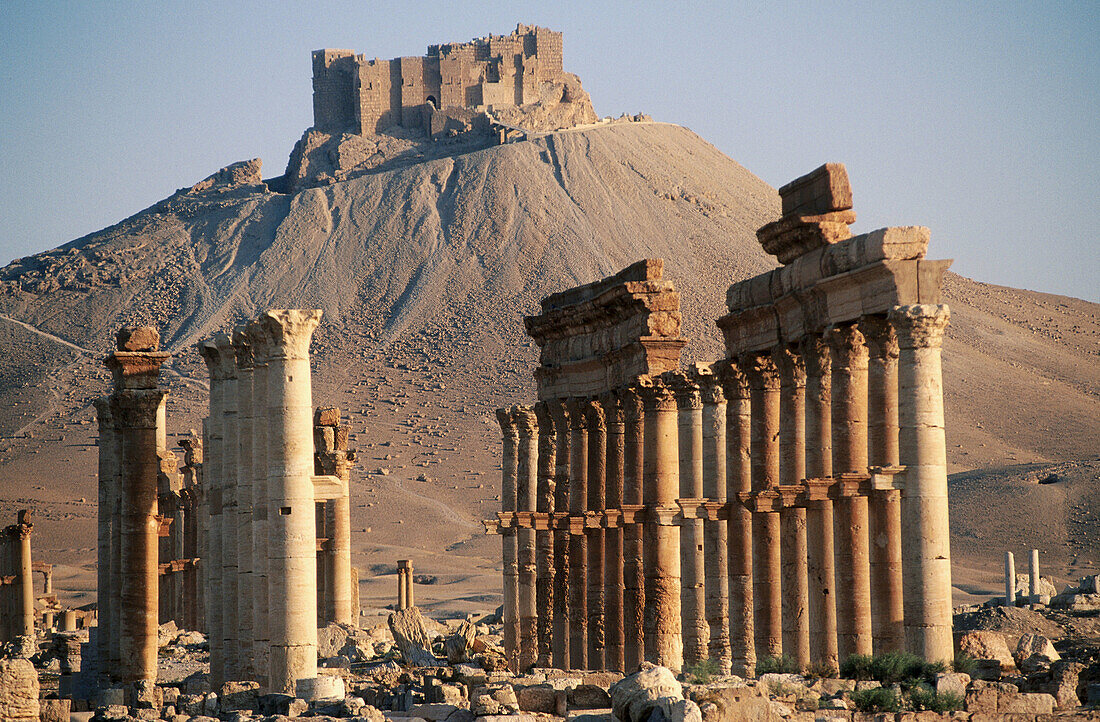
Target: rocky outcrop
[242, 173]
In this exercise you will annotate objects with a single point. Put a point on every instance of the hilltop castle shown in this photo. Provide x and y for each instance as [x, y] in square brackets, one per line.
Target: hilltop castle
[494, 73]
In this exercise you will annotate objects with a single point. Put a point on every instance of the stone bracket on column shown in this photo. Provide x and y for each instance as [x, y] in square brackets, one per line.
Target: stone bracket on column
[885, 478]
[847, 485]
[328, 487]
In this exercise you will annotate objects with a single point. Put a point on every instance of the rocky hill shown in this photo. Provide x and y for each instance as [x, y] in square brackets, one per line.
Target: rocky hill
[424, 269]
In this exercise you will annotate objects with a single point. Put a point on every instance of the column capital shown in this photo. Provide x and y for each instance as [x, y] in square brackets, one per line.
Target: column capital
[630, 398]
[791, 365]
[103, 413]
[545, 419]
[259, 341]
[882, 341]
[242, 348]
[848, 345]
[594, 416]
[507, 422]
[735, 384]
[710, 387]
[291, 331]
[137, 408]
[526, 422]
[613, 409]
[761, 370]
[686, 390]
[559, 414]
[920, 325]
[815, 355]
[221, 360]
[656, 395]
[576, 408]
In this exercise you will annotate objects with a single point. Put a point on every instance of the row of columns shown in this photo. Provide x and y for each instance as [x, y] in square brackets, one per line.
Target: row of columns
[405, 596]
[751, 512]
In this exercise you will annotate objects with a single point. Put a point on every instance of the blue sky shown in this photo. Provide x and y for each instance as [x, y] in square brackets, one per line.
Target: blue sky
[979, 120]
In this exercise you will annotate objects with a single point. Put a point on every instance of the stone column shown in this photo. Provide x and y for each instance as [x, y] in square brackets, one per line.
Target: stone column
[262, 347]
[229, 519]
[596, 423]
[926, 554]
[887, 621]
[292, 545]
[613, 537]
[509, 466]
[578, 548]
[849, 420]
[402, 586]
[245, 592]
[410, 594]
[1033, 578]
[134, 406]
[766, 580]
[664, 644]
[689, 416]
[821, 568]
[544, 540]
[792, 518]
[24, 569]
[559, 415]
[333, 458]
[526, 501]
[212, 532]
[735, 386]
[108, 492]
[1010, 580]
[715, 539]
[633, 555]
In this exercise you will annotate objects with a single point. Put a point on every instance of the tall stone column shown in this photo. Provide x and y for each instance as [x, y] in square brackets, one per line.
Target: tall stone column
[508, 502]
[735, 386]
[261, 345]
[664, 644]
[229, 519]
[633, 555]
[292, 545]
[526, 501]
[766, 579]
[24, 573]
[559, 414]
[715, 539]
[613, 536]
[596, 423]
[544, 540]
[849, 420]
[134, 406]
[244, 600]
[689, 416]
[887, 621]
[792, 518]
[820, 561]
[926, 554]
[333, 458]
[108, 492]
[214, 481]
[578, 547]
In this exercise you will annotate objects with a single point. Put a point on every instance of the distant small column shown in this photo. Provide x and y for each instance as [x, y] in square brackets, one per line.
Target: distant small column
[1033, 577]
[735, 386]
[410, 593]
[292, 548]
[613, 536]
[767, 587]
[596, 422]
[544, 537]
[715, 538]
[578, 547]
[926, 553]
[792, 517]
[633, 546]
[509, 462]
[664, 644]
[1010, 580]
[526, 500]
[559, 414]
[402, 585]
[135, 402]
[689, 406]
[849, 392]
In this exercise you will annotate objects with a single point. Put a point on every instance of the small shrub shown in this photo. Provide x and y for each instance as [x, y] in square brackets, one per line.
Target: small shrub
[896, 667]
[701, 672]
[964, 663]
[822, 671]
[856, 666]
[924, 698]
[879, 699]
[783, 664]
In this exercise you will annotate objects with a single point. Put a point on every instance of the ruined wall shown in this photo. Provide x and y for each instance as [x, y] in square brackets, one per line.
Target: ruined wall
[334, 80]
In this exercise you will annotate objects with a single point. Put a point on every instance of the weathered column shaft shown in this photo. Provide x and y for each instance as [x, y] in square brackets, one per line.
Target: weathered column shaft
[24, 569]
[821, 570]
[107, 487]
[245, 413]
[562, 467]
[926, 551]
[767, 588]
[230, 530]
[692, 561]
[544, 540]
[613, 536]
[715, 538]
[739, 482]
[819, 408]
[664, 643]
[887, 620]
[292, 548]
[402, 587]
[526, 500]
[792, 471]
[578, 547]
[509, 471]
[410, 593]
[596, 422]
[261, 346]
[1010, 580]
[633, 555]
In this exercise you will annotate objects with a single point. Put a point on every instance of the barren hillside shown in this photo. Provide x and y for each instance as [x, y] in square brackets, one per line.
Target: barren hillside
[424, 273]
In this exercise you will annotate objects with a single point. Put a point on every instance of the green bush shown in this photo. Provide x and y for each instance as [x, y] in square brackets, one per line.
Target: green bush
[964, 663]
[900, 668]
[856, 666]
[879, 699]
[821, 671]
[784, 664]
[924, 698]
[701, 672]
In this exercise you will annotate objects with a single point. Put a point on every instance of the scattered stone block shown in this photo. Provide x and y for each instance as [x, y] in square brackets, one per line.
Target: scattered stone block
[588, 696]
[952, 683]
[1025, 703]
[321, 688]
[239, 696]
[137, 338]
[55, 710]
[987, 645]
[18, 690]
[634, 698]
[412, 638]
